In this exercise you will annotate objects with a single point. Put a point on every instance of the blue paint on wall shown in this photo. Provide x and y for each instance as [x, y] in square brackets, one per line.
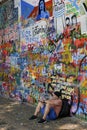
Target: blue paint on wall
[74, 3]
[26, 9]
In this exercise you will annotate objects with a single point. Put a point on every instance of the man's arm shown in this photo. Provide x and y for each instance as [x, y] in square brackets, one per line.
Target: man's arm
[55, 102]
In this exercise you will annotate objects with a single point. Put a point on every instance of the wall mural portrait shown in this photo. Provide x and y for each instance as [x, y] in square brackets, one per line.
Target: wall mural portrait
[35, 11]
[42, 12]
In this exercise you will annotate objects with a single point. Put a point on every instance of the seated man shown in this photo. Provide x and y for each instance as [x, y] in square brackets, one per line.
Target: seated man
[50, 109]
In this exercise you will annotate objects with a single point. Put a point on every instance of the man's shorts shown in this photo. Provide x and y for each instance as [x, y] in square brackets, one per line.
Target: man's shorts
[52, 114]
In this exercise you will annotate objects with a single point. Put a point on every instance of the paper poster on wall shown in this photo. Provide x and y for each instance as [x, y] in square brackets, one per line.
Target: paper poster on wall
[83, 24]
[59, 8]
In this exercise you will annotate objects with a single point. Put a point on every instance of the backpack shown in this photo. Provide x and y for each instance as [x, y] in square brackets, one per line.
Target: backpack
[65, 110]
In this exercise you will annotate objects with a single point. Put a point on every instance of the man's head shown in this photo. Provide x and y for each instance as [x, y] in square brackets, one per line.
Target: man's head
[57, 94]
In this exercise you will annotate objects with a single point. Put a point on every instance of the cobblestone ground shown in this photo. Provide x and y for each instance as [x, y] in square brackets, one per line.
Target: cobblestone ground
[14, 116]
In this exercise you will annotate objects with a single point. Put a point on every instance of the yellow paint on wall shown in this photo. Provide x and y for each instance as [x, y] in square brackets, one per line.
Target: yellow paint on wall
[84, 83]
[67, 57]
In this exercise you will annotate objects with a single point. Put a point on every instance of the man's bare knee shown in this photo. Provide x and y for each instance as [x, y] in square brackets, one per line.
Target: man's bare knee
[48, 105]
[40, 104]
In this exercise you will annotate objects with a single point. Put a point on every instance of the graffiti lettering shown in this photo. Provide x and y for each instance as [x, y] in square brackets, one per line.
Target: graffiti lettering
[37, 30]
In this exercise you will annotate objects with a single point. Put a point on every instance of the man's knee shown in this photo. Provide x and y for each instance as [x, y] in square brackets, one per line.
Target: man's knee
[40, 104]
[48, 105]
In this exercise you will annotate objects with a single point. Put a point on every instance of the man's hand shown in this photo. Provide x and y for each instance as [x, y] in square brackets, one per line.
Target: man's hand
[43, 101]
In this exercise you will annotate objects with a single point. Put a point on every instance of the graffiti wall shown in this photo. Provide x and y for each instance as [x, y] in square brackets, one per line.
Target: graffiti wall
[37, 58]
[9, 47]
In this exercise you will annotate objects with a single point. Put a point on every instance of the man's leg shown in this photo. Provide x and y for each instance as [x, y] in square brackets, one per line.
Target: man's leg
[47, 110]
[39, 106]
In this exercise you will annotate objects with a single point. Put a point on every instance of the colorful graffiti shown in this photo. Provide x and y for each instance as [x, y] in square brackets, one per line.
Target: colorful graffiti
[35, 57]
[8, 14]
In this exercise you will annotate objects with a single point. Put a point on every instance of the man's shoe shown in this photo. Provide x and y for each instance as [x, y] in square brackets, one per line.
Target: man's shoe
[33, 117]
[41, 121]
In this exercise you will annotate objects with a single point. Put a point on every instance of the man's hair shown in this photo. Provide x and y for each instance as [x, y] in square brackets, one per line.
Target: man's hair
[58, 94]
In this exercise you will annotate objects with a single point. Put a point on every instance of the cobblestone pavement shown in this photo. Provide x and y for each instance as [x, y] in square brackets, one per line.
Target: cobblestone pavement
[14, 116]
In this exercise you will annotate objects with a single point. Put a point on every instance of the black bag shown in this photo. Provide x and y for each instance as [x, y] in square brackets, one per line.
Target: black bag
[65, 110]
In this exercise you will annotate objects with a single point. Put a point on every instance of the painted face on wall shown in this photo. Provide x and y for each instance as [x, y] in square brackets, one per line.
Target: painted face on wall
[42, 6]
[67, 21]
[74, 20]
